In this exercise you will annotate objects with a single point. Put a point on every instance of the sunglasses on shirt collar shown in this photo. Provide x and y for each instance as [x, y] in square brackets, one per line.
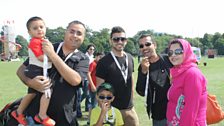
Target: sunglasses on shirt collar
[176, 52]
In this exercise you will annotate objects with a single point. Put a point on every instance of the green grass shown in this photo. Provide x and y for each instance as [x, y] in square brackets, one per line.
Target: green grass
[12, 88]
[214, 73]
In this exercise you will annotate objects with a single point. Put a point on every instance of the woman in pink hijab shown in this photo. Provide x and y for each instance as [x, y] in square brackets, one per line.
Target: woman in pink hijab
[188, 94]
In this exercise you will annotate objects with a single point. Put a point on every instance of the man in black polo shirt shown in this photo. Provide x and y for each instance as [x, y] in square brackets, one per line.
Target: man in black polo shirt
[116, 68]
[70, 67]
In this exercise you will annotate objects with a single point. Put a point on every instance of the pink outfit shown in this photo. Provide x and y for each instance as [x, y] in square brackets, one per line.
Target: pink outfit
[188, 94]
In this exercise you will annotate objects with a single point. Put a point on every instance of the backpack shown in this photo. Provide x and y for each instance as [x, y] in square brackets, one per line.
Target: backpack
[5, 113]
[6, 118]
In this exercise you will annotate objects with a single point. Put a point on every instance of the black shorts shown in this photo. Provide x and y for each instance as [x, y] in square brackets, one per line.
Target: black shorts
[32, 71]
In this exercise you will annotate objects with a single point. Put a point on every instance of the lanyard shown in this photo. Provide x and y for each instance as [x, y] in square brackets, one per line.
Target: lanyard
[124, 73]
[69, 55]
[47, 92]
[113, 115]
[146, 88]
[45, 65]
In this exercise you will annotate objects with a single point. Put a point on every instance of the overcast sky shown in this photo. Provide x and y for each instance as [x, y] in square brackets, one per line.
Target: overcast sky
[189, 18]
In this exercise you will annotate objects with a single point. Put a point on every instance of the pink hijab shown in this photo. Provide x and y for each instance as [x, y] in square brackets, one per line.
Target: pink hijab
[189, 59]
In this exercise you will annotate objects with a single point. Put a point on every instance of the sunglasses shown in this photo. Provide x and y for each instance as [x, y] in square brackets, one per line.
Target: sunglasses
[117, 39]
[147, 44]
[176, 52]
[105, 97]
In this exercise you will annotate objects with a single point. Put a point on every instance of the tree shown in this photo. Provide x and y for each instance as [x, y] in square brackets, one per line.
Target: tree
[130, 47]
[87, 40]
[206, 42]
[215, 40]
[100, 40]
[220, 46]
[23, 42]
[194, 42]
[162, 42]
[55, 35]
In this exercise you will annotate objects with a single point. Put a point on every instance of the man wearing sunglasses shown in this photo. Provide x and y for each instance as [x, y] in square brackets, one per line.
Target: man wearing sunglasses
[153, 80]
[117, 68]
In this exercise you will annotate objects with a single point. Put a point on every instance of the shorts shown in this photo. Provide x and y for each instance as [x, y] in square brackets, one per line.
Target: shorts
[32, 71]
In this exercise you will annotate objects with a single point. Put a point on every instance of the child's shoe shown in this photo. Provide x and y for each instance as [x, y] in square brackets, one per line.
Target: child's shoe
[46, 122]
[19, 117]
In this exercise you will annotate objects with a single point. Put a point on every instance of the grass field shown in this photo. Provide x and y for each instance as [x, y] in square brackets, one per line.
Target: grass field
[12, 88]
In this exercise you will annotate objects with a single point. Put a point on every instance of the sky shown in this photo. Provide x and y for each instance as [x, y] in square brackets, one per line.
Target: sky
[189, 18]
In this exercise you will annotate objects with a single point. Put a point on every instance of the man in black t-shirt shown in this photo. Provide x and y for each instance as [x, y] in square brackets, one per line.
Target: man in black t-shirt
[153, 80]
[116, 68]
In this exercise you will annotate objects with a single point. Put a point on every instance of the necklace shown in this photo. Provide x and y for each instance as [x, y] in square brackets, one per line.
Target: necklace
[110, 119]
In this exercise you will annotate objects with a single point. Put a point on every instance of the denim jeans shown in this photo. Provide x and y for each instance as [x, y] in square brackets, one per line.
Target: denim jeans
[78, 106]
[93, 100]
[159, 122]
[85, 95]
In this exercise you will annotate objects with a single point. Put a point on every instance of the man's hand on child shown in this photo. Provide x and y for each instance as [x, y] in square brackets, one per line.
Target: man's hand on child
[40, 83]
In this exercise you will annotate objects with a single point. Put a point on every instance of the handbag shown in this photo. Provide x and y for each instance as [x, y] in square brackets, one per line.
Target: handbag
[214, 113]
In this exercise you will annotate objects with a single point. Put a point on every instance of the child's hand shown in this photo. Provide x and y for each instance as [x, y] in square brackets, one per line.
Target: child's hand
[105, 107]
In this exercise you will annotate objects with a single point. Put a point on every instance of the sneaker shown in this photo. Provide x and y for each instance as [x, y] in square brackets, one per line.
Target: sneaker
[46, 121]
[19, 117]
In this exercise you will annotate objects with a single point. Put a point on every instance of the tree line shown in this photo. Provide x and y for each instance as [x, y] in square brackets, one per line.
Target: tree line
[101, 40]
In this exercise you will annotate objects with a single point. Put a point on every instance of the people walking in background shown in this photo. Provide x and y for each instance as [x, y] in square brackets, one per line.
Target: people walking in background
[188, 94]
[83, 92]
[117, 68]
[90, 52]
[105, 113]
[153, 80]
[92, 81]
[70, 67]
[37, 30]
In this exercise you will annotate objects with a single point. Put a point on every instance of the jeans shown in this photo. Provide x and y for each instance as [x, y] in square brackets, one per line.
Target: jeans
[85, 95]
[159, 122]
[78, 106]
[93, 100]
